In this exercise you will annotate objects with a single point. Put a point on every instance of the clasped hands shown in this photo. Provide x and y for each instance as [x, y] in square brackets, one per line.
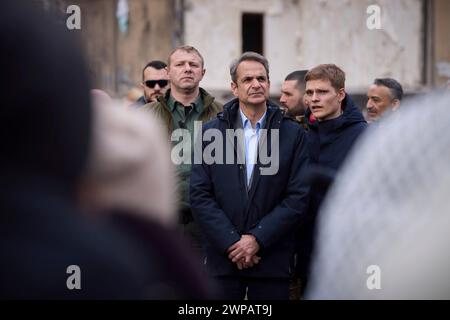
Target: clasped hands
[243, 252]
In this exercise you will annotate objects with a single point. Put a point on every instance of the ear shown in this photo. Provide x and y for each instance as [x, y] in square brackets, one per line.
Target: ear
[234, 89]
[305, 101]
[203, 73]
[167, 70]
[395, 104]
[341, 95]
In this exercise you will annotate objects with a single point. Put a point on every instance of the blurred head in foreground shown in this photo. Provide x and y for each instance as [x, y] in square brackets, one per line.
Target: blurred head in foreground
[129, 166]
[51, 140]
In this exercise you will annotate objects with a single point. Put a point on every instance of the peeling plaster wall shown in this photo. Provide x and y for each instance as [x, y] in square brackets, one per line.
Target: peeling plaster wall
[337, 32]
[300, 34]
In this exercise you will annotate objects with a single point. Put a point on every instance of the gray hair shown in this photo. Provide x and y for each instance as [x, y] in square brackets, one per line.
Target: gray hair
[394, 87]
[248, 56]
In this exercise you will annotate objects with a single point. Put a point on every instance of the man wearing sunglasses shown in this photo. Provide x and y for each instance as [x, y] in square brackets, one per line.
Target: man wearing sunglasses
[155, 82]
[183, 104]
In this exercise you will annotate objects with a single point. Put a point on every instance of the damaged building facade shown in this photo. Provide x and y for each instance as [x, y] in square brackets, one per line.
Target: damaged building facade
[411, 42]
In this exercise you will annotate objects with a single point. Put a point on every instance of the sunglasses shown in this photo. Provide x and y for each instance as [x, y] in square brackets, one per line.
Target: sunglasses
[152, 83]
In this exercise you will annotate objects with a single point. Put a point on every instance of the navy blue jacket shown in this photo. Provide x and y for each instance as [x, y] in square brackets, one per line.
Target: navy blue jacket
[270, 210]
[331, 140]
[329, 143]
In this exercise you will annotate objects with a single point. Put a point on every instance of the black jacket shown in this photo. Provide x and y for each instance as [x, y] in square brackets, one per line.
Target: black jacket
[269, 210]
[329, 143]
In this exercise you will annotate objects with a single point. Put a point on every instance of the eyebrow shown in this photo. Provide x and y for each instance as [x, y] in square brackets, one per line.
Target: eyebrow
[254, 77]
[189, 61]
[320, 90]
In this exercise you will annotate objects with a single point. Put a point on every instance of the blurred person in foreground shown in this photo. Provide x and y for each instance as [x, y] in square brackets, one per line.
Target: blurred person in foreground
[130, 179]
[383, 229]
[44, 153]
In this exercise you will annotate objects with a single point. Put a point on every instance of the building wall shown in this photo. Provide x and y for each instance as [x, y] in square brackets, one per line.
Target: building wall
[300, 34]
[441, 39]
[115, 59]
[149, 37]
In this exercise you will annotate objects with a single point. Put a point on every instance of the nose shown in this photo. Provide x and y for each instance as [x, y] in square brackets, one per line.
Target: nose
[256, 83]
[187, 67]
[369, 105]
[157, 87]
[315, 97]
[282, 98]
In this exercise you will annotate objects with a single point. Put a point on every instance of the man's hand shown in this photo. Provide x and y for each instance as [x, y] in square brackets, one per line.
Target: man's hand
[242, 265]
[244, 250]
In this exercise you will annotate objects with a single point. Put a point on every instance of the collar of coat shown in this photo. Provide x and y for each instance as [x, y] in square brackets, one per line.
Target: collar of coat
[351, 115]
[206, 97]
[273, 118]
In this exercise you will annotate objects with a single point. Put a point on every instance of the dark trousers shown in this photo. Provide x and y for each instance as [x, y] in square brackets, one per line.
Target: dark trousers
[236, 288]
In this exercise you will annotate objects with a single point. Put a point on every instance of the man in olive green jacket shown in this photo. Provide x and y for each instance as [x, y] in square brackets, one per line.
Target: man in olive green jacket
[183, 104]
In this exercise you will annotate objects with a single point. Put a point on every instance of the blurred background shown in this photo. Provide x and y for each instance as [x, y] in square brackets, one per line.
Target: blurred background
[411, 45]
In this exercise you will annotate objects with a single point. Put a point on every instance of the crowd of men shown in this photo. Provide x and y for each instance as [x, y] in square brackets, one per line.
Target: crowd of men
[249, 215]
[255, 231]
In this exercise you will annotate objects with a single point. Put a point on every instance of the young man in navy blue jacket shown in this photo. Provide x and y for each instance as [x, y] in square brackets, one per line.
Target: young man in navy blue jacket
[249, 200]
[335, 126]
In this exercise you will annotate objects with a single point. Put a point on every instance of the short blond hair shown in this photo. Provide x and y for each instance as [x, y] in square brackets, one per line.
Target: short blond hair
[329, 72]
[187, 49]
